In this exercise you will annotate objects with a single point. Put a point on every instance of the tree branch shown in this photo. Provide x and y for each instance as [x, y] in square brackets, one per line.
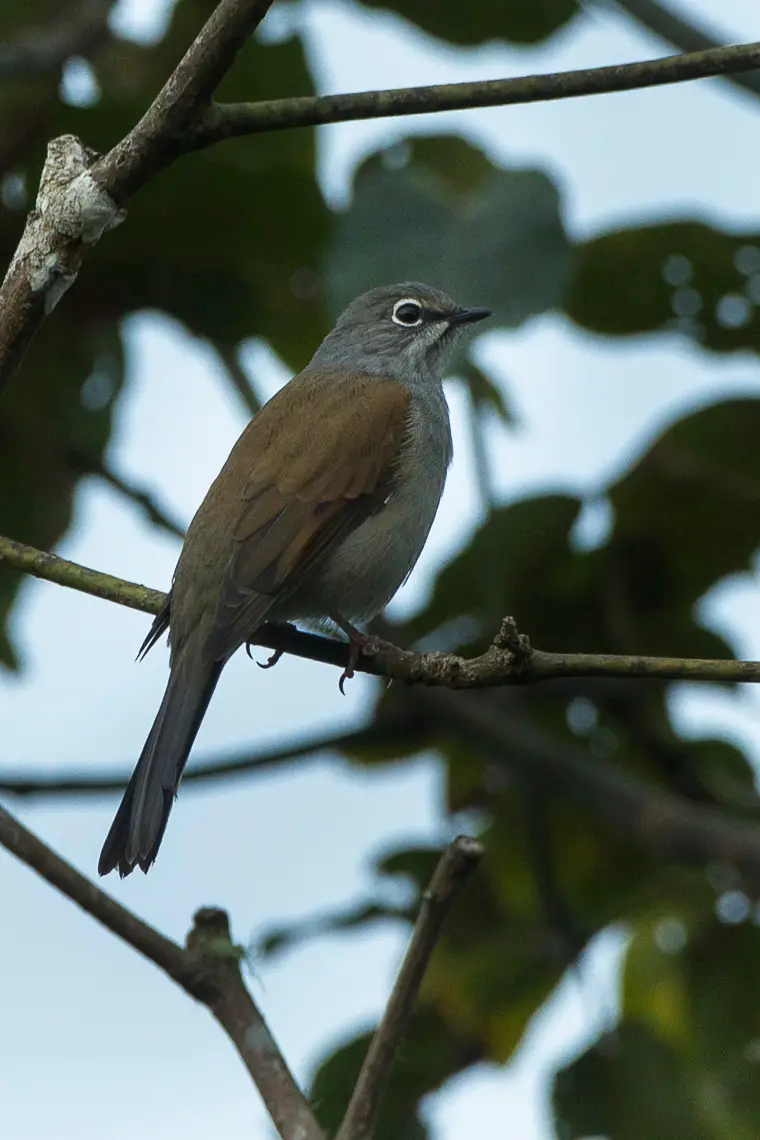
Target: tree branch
[142, 498]
[207, 970]
[238, 377]
[404, 729]
[71, 213]
[40, 564]
[454, 869]
[80, 198]
[681, 33]
[225, 121]
[82, 195]
[511, 660]
[163, 132]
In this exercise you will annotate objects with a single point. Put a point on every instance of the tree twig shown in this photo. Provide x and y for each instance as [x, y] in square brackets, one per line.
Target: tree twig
[238, 377]
[142, 498]
[208, 969]
[40, 564]
[82, 195]
[454, 869]
[403, 729]
[231, 120]
[511, 660]
[682, 34]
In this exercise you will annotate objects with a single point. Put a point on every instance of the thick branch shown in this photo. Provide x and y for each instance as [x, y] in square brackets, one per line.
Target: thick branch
[162, 133]
[82, 195]
[509, 661]
[454, 869]
[233, 119]
[208, 970]
[79, 198]
[71, 213]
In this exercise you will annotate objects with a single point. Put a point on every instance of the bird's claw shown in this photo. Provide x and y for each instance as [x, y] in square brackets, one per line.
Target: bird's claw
[356, 643]
[270, 661]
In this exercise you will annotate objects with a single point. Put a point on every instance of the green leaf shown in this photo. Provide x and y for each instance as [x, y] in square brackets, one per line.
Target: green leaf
[517, 21]
[486, 393]
[628, 1086]
[523, 549]
[428, 1057]
[233, 234]
[684, 276]
[283, 938]
[704, 475]
[227, 241]
[55, 426]
[486, 235]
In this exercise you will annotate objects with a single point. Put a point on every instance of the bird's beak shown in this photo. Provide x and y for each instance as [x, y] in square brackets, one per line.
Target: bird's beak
[467, 316]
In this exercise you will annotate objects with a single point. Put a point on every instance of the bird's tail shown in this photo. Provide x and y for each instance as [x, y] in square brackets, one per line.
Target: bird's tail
[138, 827]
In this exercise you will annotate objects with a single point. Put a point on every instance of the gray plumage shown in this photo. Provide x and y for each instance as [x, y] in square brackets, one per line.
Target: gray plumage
[321, 511]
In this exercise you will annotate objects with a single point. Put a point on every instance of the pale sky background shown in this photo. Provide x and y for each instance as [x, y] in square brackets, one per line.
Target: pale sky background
[97, 1042]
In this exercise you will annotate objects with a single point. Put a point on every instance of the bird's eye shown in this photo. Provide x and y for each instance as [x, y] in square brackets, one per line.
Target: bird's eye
[407, 313]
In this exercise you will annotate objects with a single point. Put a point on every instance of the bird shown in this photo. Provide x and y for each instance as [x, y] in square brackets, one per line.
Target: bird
[318, 516]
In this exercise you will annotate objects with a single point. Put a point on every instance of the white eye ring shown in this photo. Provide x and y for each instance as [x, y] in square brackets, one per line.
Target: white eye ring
[395, 315]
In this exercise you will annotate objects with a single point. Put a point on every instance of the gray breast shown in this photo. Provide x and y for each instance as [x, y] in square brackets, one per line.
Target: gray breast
[367, 569]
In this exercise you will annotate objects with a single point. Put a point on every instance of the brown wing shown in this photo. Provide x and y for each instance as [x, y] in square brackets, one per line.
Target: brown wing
[312, 479]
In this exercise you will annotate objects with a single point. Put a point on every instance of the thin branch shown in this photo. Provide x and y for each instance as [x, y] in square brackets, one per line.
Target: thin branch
[142, 498]
[41, 49]
[231, 120]
[82, 195]
[40, 564]
[402, 729]
[238, 377]
[565, 930]
[681, 33]
[14, 837]
[454, 869]
[510, 660]
[208, 970]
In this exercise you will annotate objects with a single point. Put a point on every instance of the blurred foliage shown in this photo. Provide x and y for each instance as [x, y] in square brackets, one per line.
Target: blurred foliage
[229, 243]
[237, 242]
[517, 22]
[548, 883]
[436, 209]
[682, 275]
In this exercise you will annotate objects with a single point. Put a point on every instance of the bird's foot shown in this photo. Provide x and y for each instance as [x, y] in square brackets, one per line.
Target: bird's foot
[356, 643]
[277, 654]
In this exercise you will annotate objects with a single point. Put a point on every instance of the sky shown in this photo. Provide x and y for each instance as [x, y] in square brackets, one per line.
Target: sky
[117, 1049]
